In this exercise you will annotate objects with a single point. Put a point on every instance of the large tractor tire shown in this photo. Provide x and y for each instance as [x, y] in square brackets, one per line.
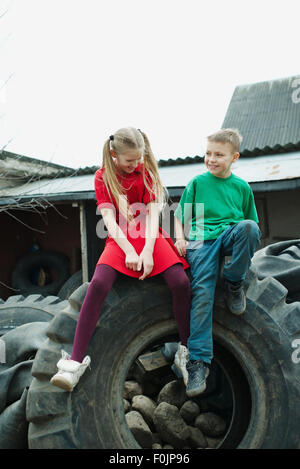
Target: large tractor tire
[282, 262]
[18, 310]
[23, 324]
[253, 350]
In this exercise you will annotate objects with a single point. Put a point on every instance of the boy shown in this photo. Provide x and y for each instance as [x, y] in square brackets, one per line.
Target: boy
[228, 227]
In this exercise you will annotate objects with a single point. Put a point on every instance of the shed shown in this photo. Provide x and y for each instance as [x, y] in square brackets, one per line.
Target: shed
[58, 211]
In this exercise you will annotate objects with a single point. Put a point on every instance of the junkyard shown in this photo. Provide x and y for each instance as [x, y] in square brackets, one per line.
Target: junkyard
[131, 397]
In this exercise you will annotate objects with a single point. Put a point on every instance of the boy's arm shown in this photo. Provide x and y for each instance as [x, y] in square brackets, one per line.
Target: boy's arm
[181, 242]
[249, 209]
[182, 216]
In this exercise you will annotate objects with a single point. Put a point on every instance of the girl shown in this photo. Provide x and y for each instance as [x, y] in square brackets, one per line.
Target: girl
[129, 195]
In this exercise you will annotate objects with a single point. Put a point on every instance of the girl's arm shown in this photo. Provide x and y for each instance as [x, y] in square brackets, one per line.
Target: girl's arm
[152, 223]
[131, 259]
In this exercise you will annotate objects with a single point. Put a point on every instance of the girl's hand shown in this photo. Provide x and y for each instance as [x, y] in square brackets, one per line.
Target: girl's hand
[132, 260]
[146, 261]
[181, 245]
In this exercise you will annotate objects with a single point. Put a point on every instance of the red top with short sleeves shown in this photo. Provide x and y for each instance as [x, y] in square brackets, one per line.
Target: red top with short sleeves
[165, 253]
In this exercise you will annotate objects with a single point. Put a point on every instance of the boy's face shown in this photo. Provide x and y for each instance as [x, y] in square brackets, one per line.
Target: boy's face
[219, 158]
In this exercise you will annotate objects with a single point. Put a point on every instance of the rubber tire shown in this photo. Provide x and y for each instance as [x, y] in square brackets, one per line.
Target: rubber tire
[23, 323]
[281, 261]
[71, 285]
[57, 261]
[137, 314]
[18, 310]
[13, 425]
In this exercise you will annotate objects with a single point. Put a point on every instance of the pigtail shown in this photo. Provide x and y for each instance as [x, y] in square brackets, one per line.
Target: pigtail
[151, 166]
[111, 182]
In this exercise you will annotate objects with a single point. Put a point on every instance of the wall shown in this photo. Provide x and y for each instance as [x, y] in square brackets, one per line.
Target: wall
[279, 215]
[60, 231]
[57, 228]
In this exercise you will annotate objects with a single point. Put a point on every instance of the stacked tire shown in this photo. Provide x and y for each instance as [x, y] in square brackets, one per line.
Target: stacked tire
[23, 325]
[255, 352]
[55, 263]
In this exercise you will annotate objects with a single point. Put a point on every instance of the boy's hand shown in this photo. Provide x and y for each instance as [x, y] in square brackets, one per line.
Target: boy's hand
[146, 261]
[181, 245]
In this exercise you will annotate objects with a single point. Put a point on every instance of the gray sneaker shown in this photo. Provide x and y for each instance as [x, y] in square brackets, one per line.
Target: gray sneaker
[235, 297]
[198, 371]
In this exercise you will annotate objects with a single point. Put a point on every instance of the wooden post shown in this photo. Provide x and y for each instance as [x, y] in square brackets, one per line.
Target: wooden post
[91, 245]
[83, 238]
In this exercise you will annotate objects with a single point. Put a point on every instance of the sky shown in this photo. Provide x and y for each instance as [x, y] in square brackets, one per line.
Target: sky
[72, 72]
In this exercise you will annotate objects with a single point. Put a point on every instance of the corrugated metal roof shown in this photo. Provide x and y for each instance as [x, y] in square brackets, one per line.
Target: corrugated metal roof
[46, 187]
[259, 170]
[15, 163]
[266, 168]
[267, 115]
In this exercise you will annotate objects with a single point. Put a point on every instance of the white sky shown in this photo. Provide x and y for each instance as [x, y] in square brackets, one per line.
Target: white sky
[78, 70]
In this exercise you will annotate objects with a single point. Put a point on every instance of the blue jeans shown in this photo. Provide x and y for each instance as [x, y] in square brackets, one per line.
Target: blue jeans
[239, 241]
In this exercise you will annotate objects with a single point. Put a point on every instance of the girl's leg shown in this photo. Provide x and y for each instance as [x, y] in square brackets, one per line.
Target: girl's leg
[100, 285]
[179, 284]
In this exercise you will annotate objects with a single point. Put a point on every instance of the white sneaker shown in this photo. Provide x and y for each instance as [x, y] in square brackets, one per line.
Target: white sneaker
[69, 371]
[180, 360]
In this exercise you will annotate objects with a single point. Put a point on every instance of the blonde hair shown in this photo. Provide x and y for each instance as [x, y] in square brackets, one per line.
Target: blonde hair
[125, 139]
[231, 136]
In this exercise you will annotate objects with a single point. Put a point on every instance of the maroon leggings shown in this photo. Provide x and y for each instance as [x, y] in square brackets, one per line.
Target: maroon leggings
[100, 285]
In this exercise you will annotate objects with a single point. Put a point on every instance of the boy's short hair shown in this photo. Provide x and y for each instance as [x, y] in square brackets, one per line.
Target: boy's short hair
[231, 136]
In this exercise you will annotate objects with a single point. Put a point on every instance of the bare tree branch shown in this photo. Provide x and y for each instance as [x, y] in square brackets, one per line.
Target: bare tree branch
[4, 146]
[4, 13]
[6, 81]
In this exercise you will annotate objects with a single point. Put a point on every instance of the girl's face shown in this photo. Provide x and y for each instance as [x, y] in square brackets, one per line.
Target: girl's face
[128, 161]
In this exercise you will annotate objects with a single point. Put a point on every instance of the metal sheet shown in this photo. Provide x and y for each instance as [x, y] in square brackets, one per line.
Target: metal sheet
[282, 167]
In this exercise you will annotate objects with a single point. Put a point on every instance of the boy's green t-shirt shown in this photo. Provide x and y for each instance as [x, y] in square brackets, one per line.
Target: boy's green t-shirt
[210, 204]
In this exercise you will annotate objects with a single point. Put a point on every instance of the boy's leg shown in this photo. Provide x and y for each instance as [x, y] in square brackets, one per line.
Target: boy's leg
[204, 264]
[240, 241]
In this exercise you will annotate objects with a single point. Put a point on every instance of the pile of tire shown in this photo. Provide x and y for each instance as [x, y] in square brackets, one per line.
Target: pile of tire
[23, 325]
[53, 264]
[256, 352]
[282, 262]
